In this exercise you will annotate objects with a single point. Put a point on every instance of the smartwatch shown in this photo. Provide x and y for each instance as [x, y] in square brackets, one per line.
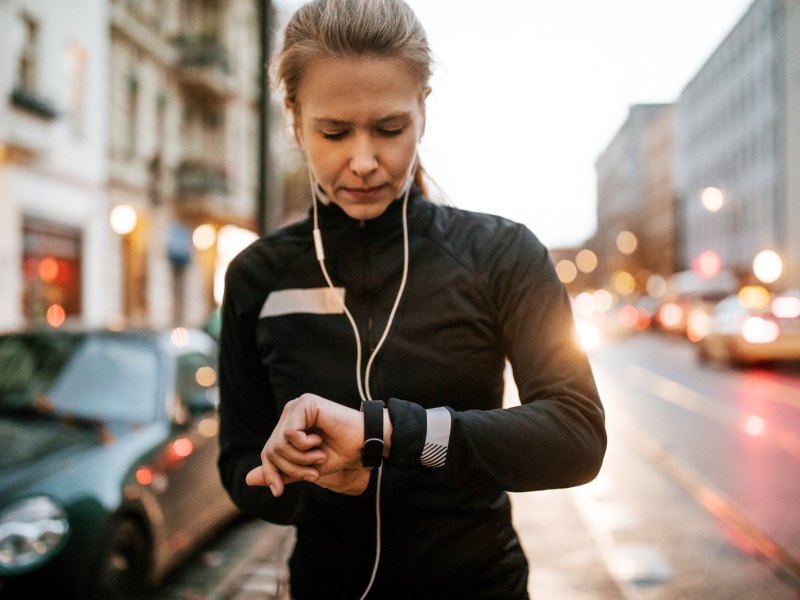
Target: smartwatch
[372, 450]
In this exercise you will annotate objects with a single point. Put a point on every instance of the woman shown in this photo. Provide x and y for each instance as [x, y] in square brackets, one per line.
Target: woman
[363, 350]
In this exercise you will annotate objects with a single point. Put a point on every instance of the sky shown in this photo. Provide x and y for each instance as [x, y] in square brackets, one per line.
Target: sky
[527, 93]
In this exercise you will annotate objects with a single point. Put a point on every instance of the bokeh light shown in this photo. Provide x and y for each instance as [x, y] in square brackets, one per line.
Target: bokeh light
[760, 331]
[55, 315]
[627, 242]
[712, 199]
[623, 282]
[767, 266]
[179, 337]
[754, 297]
[204, 236]
[656, 286]
[566, 271]
[205, 376]
[586, 261]
[584, 304]
[786, 307]
[707, 264]
[603, 299]
[123, 219]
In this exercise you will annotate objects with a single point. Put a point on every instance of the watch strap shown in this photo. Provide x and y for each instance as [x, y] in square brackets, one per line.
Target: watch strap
[372, 450]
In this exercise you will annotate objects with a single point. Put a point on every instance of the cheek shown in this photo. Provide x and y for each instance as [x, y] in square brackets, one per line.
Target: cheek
[322, 161]
[401, 154]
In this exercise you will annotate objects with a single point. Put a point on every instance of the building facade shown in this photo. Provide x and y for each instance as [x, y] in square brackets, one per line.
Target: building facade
[183, 141]
[635, 202]
[151, 106]
[53, 140]
[738, 134]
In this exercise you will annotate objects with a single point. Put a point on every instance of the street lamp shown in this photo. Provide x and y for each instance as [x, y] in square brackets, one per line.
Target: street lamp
[123, 219]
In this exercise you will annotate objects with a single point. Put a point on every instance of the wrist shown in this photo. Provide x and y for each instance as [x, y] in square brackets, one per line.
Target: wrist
[387, 433]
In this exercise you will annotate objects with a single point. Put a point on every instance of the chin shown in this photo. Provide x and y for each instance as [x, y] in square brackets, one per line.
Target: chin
[364, 212]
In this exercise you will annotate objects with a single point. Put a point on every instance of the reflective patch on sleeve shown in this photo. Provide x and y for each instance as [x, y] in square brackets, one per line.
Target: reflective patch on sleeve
[437, 438]
[315, 301]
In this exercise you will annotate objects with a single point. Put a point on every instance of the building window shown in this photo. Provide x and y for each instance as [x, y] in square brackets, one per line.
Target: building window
[51, 267]
[27, 62]
[76, 80]
[132, 114]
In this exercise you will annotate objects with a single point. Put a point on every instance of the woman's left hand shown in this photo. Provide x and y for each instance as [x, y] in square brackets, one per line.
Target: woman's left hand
[316, 440]
[351, 482]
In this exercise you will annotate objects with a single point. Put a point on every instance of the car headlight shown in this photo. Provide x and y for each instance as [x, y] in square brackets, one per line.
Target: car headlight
[31, 531]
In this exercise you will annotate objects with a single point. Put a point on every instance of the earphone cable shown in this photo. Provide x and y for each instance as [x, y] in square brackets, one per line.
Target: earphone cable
[363, 389]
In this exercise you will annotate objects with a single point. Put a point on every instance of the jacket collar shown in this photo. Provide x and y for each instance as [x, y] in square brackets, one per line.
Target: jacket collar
[332, 218]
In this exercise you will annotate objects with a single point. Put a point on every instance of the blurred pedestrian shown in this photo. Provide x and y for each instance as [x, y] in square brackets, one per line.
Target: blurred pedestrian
[363, 350]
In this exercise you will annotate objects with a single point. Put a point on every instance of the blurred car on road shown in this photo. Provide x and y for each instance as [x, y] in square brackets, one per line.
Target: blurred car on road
[736, 334]
[108, 471]
[689, 296]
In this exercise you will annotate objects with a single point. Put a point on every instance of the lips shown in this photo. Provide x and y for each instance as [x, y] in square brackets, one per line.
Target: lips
[364, 193]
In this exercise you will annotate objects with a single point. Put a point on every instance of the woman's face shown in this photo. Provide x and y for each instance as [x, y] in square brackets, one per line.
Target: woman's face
[358, 121]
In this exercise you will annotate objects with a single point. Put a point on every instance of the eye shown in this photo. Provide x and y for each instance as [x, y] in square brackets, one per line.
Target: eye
[334, 135]
[390, 132]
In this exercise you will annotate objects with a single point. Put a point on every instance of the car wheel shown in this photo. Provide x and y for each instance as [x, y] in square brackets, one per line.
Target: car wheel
[123, 564]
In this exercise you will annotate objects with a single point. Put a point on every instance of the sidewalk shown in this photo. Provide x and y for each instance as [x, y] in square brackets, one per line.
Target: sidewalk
[565, 562]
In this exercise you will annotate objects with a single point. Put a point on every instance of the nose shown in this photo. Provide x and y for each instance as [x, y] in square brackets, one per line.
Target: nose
[364, 156]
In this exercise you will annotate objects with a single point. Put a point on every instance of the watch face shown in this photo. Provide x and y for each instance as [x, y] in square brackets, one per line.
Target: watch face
[372, 451]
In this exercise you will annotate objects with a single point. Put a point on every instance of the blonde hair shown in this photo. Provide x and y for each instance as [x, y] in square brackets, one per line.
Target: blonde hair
[352, 28]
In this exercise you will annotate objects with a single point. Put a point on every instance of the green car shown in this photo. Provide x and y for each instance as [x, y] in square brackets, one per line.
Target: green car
[108, 466]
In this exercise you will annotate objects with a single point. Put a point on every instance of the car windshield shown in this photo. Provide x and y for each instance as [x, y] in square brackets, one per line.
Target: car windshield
[104, 378]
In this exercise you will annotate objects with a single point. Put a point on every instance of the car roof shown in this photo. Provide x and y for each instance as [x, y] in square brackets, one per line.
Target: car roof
[174, 342]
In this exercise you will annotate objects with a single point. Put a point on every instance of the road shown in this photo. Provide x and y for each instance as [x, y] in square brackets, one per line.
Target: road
[697, 497]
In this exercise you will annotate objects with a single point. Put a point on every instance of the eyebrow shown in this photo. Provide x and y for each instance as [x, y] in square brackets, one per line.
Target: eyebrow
[331, 122]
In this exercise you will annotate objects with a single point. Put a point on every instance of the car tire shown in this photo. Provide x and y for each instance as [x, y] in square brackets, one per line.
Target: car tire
[123, 563]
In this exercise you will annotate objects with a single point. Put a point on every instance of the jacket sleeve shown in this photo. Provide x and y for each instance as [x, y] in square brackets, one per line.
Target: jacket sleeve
[556, 437]
[247, 410]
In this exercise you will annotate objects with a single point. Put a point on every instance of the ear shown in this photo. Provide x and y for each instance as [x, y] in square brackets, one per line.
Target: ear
[292, 111]
[422, 103]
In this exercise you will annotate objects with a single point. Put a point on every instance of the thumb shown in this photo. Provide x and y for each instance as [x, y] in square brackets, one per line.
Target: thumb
[256, 477]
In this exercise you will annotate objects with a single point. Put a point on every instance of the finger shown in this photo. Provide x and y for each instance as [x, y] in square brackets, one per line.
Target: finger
[266, 474]
[292, 463]
[298, 458]
[302, 440]
[255, 477]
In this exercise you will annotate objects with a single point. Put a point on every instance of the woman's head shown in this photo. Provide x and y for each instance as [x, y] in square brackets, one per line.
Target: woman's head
[355, 76]
[349, 29]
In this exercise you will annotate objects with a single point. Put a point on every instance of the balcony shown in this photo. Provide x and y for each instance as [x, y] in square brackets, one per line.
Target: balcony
[29, 131]
[203, 68]
[201, 186]
[33, 104]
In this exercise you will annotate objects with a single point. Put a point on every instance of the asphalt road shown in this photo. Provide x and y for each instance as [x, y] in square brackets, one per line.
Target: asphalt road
[703, 472]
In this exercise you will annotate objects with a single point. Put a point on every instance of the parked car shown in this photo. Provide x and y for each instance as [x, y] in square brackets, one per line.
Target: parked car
[108, 471]
[738, 335]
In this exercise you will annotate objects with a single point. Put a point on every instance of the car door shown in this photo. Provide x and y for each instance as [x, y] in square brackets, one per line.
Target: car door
[192, 498]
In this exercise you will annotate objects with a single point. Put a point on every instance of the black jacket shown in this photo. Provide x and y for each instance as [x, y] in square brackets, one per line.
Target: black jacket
[481, 290]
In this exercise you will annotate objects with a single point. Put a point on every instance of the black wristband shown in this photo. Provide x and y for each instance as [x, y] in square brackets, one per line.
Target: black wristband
[372, 451]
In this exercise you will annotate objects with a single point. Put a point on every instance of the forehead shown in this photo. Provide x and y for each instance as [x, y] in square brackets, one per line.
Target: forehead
[358, 87]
